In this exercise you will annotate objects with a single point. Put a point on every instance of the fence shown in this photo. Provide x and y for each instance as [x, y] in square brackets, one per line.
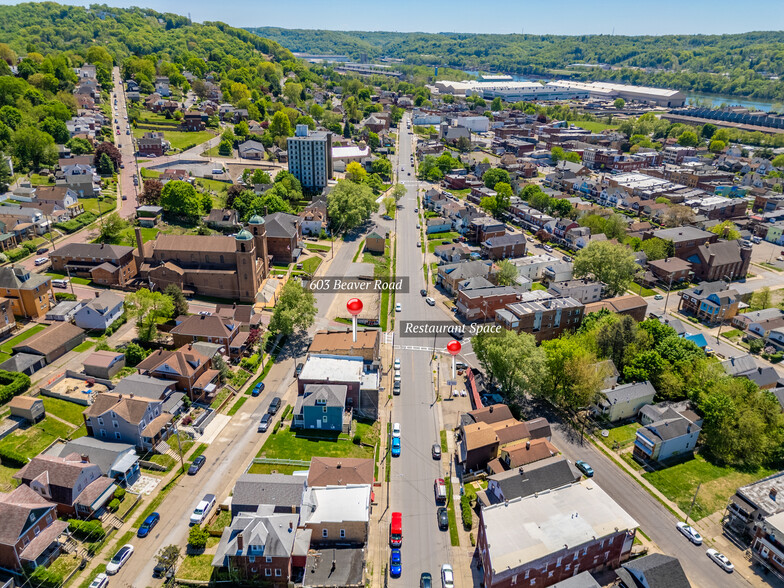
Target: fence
[275, 461]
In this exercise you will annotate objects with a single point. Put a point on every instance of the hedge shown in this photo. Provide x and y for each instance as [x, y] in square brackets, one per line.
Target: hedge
[12, 384]
[119, 493]
[10, 457]
[86, 529]
[63, 296]
[77, 222]
[113, 505]
[465, 507]
[43, 577]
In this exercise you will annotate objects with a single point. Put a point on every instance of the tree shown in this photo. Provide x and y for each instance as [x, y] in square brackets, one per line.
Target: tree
[708, 130]
[539, 201]
[181, 198]
[389, 205]
[79, 146]
[56, 128]
[347, 130]
[296, 308]
[5, 173]
[507, 273]
[615, 337]
[608, 262]
[110, 150]
[656, 248]
[688, 139]
[561, 207]
[260, 177]
[34, 148]
[280, 125]
[717, 146]
[197, 537]
[134, 353]
[726, 230]
[398, 192]
[494, 175]
[513, 360]
[648, 365]
[496, 105]
[111, 227]
[543, 236]
[383, 167]
[678, 215]
[148, 307]
[619, 103]
[350, 204]
[105, 166]
[761, 299]
[503, 196]
[225, 148]
[489, 204]
[355, 172]
[778, 161]
[573, 377]
[167, 557]
[152, 192]
[178, 299]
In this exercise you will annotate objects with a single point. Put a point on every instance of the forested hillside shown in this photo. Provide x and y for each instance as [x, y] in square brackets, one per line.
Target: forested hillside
[727, 64]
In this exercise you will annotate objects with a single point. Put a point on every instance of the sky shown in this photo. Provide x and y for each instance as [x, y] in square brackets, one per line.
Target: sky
[566, 17]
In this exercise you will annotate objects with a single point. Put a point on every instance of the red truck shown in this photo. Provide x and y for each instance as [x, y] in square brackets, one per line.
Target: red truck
[396, 530]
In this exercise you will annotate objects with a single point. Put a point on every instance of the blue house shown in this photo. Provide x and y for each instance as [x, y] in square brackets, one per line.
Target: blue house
[673, 435]
[438, 225]
[322, 406]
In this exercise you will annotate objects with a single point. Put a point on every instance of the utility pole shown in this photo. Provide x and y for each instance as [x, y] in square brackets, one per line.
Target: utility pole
[693, 500]
[179, 450]
[68, 271]
[668, 294]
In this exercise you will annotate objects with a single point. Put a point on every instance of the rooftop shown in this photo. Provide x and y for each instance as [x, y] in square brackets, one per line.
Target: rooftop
[336, 504]
[334, 368]
[628, 392]
[274, 489]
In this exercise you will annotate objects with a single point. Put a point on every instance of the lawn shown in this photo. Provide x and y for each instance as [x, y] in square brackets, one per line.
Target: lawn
[679, 482]
[39, 180]
[538, 286]
[65, 564]
[98, 570]
[30, 442]
[7, 347]
[448, 235]
[129, 235]
[271, 468]
[641, 290]
[68, 411]
[316, 247]
[302, 445]
[98, 206]
[215, 152]
[7, 482]
[76, 280]
[431, 245]
[623, 435]
[196, 567]
[220, 397]
[311, 264]
[236, 406]
[166, 461]
[179, 139]
[84, 346]
[594, 126]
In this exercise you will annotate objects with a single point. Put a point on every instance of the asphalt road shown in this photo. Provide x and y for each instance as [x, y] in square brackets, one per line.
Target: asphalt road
[424, 548]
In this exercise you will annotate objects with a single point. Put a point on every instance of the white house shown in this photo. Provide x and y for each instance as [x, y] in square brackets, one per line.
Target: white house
[100, 312]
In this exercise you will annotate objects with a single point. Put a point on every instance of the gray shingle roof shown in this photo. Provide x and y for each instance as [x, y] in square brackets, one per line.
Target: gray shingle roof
[627, 392]
[659, 571]
[546, 474]
[274, 489]
[281, 224]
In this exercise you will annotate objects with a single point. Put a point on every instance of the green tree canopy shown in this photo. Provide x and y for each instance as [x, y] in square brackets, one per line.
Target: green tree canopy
[295, 309]
[181, 198]
[611, 263]
[494, 175]
[350, 204]
[148, 307]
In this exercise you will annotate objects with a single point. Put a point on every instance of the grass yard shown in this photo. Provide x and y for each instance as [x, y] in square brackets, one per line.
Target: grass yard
[39, 180]
[84, 346]
[269, 468]
[236, 406]
[222, 520]
[65, 564]
[196, 567]
[220, 397]
[166, 461]
[129, 235]
[623, 435]
[30, 442]
[454, 536]
[315, 247]
[311, 264]
[594, 126]
[7, 347]
[538, 286]
[732, 334]
[448, 236]
[431, 245]
[444, 447]
[98, 206]
[7, 482]
[215, 152]
[302, 445]
[179, 139]
[68, 411]
[679, 482]
[98, 570]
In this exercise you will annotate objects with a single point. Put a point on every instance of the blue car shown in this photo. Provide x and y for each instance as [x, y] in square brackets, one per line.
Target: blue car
[584, 468]
[395, 563]
[257, 389]
[395, 446]
[148, 524]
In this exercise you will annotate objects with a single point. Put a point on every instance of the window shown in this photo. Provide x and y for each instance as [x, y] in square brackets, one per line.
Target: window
[115, 424]
[277, 572]
[567, 566]
[533, 582]
[251, 558]
[324, 533]
[550, 574]
[268, 559]
[103, 432]
[324, 409]
[527, 574]
[49, 519]
[514, 580]
[116, 435]
[100, 421]
[324, 419]
[267, 572]
[342, 533]
[37, 531]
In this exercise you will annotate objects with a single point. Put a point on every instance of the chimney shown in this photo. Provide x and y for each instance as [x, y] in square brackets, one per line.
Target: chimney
[131, 395]
[491, 409]
[291, 526]
[139, 241]
[190, 346]
[240, 541]
[97, 294]
[339, 465]
[85, 458]
[688, 428]
[103, 245]
[773, 493]
[527, 445]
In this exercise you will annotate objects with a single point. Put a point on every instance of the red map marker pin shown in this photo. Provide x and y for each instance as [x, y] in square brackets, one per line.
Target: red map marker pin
[354, 307]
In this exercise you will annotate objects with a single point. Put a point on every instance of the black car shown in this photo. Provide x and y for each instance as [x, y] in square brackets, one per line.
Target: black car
[42, 250]
[423, 292]
[196, 465]
[274, 406]
[298, 370]
[456, 332]
[162, 571]
[443, 518]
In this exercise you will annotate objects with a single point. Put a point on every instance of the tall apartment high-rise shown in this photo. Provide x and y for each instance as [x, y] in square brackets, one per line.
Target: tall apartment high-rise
[310, 157]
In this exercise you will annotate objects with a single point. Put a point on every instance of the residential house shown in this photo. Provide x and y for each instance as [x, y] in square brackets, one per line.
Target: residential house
[223, 219]
[341, 343]
[149, 216]
[685, 240]
[53, 342]
[251, 149]
[624, 401]
[337, 514]
[437, 225]
[193, 121]
[80, 181]
[284, 236]
[117, 461]
[744, 321]
[152, 144]
[582, 290]
[555, 535]
[724, 260]
[563, 226]
[629, 304]
[75, 485]
[541, 314]
[532, 267]
[104, 364]
[557, 271]
[65, 311]
[212, 329]
[283, 493]
[670, 270]
[339, 471]
[375, 243]
[30, 294]
[746, 366]
[452, 252]
[667, 433]
[25, 363]
[361, 380]
[7, 319]
[154, 389]
[27, 407]
[483, 228]
[322, 407]
[105, 264]
[100, 312]
[651, 571]
[710, 301]
[752, 504]
[30, 533]
[131, 419]
[767, 548]
[504, 247]
[314, 218]
[257, 547]
[541, 476]
[450, 275]
[187, 367]
[481, 301]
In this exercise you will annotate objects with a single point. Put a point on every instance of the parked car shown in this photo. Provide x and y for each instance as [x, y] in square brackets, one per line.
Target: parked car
[658, 297]
[419, 243]
[548, 248]
[41, 260]
[584, 467]
[430, 301]
[443, 518]
[456, 332]
[257, 389]
[203, 509]
[196, 465]
[425, 580]
[395, 446]
[274, 406]
[721, 560]
[396, 430]
[298, 369]
[101, 581]
[447, 576]
[397, 363]
[264, 423]
[435, 451]
[42, 250]
[418, 227]
[690, 533]
[398, 307]
[148, 524]
[396, 387]
[119, 559]
[567, 258]
[423, 292]
[395, 563]
[163, 571]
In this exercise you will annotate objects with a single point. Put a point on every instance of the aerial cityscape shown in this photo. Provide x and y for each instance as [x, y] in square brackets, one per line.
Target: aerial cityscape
[287, 306]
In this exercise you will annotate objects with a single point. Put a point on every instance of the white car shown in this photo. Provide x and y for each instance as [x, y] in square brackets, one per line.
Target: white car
[430, 300]
[203, 509]
[41, 260]
[397, 363]
[721, 560]
[398, 307]
[690, 533]
[101, 581]
[396, 430]
[447, 576]
[119, 559]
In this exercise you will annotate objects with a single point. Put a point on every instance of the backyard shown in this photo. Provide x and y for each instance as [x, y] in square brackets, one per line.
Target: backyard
[179, 139]
[302, 445]
[8, 346]
[63, 409]
[196, 567]
[623, 435]
[33, 440]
